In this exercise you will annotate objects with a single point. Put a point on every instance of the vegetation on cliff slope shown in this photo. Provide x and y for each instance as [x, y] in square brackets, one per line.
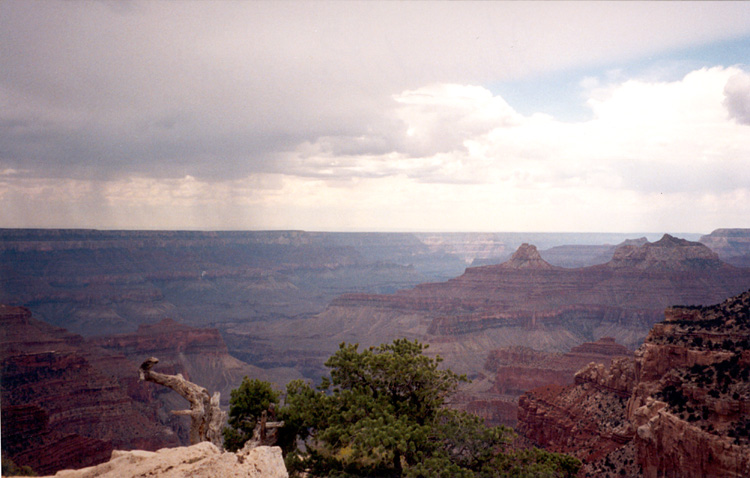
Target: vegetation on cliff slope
[711, 392]
[246, 404]
[382, 412]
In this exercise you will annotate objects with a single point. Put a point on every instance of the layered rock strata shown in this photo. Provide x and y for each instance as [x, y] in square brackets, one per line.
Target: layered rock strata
[586, 419]
[67, 404]
[555, 308]
[514, 370]
[518, 369]
[678, 408]
[691, 403]
[732, 245]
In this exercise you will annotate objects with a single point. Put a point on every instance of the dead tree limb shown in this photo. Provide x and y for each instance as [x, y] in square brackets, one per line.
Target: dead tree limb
[206, 418]
[265, 432]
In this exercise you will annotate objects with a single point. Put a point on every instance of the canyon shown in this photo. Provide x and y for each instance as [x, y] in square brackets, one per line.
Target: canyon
[523, 302]
[274, 305]
[94, 282]
[677, 407]
[69, 401]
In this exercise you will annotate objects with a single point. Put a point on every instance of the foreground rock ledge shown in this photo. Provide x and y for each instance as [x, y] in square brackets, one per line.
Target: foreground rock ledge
[203, 460]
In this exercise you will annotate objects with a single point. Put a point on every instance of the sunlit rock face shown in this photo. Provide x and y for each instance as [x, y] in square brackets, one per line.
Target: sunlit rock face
[678, 408]
[203, 460]
[691, 404]
[66, 403]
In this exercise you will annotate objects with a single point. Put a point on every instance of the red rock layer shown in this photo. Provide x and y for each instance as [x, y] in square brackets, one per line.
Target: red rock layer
[199, 354]
[66, 404]
[586, 419]
[680, 408]
[627, 295]
[691, 404]
[519, 369]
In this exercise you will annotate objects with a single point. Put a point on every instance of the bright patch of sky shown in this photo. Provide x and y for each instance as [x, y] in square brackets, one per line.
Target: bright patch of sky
[563, 94]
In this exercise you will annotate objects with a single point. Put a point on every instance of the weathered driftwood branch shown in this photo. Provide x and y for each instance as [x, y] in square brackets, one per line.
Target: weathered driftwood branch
[206, 418]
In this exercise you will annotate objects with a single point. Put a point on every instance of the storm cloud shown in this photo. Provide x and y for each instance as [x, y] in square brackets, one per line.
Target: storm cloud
[266, 113]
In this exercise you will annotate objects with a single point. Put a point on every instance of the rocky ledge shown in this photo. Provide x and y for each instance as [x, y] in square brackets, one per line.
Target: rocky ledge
[203, 460]
[680, 407]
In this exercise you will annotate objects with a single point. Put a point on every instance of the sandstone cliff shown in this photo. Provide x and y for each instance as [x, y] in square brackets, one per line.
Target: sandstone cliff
[203, 460]
[691, 403]
[678, 408]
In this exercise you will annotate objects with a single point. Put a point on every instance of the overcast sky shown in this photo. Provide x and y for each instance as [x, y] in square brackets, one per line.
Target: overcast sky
[375, 116]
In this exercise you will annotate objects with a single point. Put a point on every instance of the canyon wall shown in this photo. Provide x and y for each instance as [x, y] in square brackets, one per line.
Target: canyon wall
[524, 302]
[68, 401]
[678, 407]
[66, 404]
[732, 245]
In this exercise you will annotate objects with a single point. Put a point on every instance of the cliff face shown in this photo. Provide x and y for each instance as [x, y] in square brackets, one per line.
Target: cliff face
[678, 408]
[586, 420]
[199, 354]
[66, 404]
[518, 369]
[691, 404]
[732, 245]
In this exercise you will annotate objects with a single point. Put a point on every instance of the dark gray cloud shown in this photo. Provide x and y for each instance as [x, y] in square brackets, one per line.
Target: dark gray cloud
[219, 90]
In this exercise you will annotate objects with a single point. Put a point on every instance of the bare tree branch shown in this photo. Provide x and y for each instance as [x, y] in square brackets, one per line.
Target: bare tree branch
[206, 418]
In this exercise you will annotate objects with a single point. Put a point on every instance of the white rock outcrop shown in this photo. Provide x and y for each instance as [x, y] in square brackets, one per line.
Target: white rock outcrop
[203, 460]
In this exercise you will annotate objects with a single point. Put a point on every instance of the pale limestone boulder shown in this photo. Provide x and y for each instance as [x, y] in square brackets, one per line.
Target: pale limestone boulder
[203, 460]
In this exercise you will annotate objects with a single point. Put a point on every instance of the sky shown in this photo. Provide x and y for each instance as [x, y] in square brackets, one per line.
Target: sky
[375, 116]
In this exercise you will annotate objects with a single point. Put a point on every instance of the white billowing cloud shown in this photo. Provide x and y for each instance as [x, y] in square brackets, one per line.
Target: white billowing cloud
[649, 136]
[439, 118]
[654, 153]
[737, 101]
